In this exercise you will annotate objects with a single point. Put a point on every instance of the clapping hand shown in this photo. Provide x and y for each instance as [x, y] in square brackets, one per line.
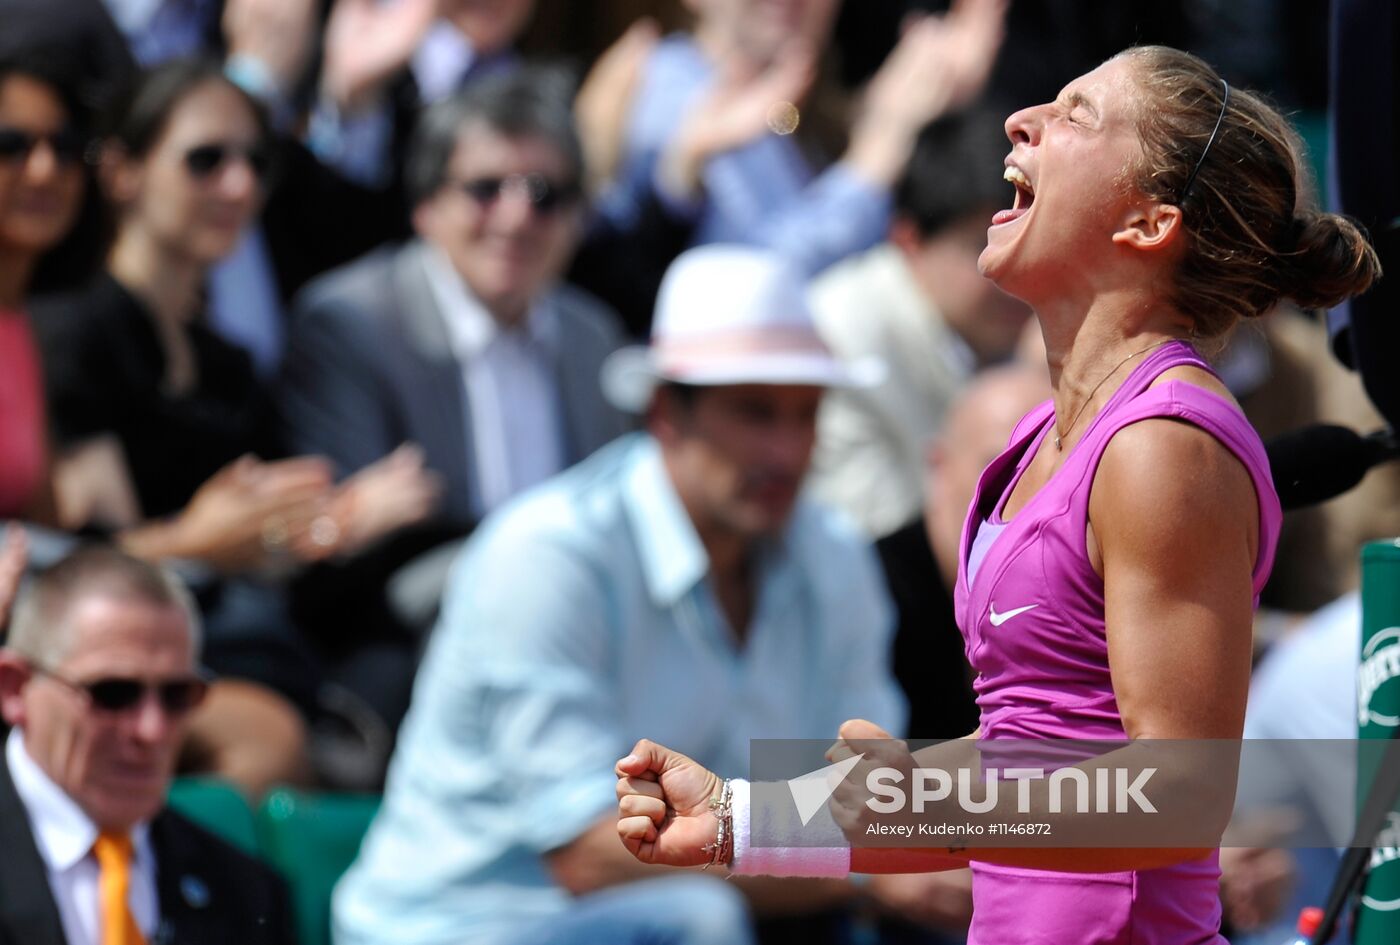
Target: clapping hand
[737, 110]
[250, 514]
[367, 42]
[385, 496]
[940, 64]
[604, 100]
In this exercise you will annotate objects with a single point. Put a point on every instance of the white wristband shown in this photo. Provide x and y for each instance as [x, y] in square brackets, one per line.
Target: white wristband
[771, 825]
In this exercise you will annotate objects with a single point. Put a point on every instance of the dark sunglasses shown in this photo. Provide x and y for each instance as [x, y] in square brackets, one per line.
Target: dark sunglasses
[545, 195]
[67, 145]
[117, 694]
[204, 159]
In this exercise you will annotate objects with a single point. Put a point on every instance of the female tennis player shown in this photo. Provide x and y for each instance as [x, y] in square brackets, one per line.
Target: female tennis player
[1114, 552]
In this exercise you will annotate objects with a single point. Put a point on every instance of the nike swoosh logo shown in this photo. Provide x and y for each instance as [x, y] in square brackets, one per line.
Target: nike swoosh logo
[999, 619]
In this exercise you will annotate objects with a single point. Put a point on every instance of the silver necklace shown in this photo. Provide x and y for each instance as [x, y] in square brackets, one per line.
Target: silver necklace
[1061, 434]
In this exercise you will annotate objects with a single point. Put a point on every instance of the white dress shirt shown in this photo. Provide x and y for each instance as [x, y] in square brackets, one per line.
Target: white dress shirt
[511, 388]
[64, 836]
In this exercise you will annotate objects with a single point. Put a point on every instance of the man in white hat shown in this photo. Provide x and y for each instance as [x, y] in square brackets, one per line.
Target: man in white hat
[673, 583]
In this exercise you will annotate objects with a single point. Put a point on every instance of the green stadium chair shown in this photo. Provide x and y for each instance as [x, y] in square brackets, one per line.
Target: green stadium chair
[312, 839]
[217, 806]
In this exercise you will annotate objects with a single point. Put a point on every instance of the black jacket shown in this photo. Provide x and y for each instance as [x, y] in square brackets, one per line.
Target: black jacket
[210, 893]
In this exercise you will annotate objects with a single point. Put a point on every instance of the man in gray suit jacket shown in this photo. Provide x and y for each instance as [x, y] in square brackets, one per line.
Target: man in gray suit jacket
[462, 341]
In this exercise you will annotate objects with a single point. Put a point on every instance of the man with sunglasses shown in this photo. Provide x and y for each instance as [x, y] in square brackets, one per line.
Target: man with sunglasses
[463, 341]
[98, 679]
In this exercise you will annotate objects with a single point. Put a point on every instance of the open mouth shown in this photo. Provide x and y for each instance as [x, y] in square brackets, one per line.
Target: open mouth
[1025, 195]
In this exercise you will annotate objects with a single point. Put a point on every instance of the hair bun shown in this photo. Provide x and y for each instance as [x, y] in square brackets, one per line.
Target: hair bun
[1332, 260]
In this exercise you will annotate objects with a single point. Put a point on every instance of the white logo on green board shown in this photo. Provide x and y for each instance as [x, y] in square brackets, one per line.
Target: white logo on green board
[1385, 861]
[1380, 663]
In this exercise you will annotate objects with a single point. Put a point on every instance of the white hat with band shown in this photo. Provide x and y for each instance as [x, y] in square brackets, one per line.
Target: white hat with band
[730, 315]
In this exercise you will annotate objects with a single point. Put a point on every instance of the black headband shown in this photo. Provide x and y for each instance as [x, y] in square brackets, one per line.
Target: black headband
[1224, 104]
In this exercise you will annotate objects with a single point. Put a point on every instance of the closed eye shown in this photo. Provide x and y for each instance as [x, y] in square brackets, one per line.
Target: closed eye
[1079, 109]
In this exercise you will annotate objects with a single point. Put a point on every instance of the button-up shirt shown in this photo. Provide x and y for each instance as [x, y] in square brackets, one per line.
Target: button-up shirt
[64, 836]
[578, 620]
[511, 390]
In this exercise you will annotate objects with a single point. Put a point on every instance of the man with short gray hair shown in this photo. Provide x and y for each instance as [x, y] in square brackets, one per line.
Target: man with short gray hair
[98, 679]
[463, 341]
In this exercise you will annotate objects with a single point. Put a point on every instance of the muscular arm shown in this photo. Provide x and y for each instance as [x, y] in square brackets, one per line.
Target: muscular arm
[1175, 520]
[1174, 531]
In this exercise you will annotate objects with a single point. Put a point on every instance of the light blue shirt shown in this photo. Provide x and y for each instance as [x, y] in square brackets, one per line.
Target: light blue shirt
[762, 194]
[579, 619]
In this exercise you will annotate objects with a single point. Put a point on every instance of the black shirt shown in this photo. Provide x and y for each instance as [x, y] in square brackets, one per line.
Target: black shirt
[104, 371]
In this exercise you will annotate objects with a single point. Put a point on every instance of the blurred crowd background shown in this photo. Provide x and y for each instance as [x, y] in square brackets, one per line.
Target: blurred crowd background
[294, 294]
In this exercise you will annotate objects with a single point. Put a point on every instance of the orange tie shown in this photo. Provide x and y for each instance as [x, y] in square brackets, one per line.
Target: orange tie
[113, 852]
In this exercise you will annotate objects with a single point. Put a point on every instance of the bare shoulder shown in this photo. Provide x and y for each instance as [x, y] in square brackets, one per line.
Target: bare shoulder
[1166, 484]
[1197, 377]
[1166, 461]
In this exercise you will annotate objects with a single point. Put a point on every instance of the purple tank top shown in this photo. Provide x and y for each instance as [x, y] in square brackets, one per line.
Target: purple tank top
[1043, 671]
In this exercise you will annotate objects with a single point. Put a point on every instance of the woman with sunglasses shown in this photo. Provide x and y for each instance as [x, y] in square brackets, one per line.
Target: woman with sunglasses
[157, 413]
[1113, 553]
[51, 233]
[50, 229]
[164, 428]
[144, 404]
[129, 355]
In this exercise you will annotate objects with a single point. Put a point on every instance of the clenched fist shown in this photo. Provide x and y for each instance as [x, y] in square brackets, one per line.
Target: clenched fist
[663, 806]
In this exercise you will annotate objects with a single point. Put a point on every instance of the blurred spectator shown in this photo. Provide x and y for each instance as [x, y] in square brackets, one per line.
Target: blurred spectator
[709, 133]
[155, 416]
[47, 222]
[462, 342]
[921, 559]
[686, 546]
[622, 261]
[920, 563]
[383, 61]
[1285, 377]
[131, 354]
[101, 62]
[1303, 693]
[98, 678]
[919, 303]
[265, 46]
